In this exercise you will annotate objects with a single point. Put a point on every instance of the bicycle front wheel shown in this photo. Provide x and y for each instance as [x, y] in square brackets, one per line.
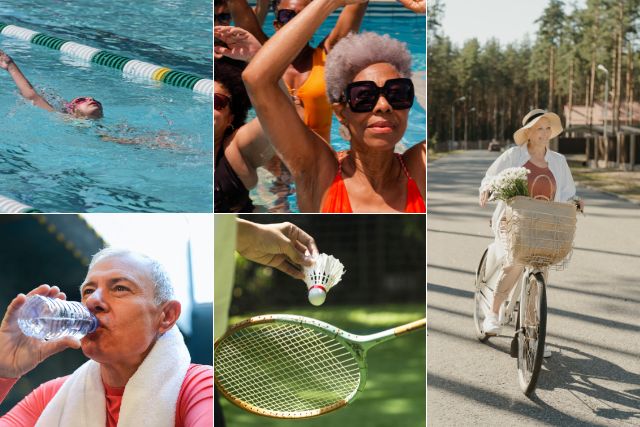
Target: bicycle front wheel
[482, 298]
[532, 317]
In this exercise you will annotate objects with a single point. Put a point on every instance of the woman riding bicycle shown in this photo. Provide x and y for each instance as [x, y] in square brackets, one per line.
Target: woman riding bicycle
[550, 179]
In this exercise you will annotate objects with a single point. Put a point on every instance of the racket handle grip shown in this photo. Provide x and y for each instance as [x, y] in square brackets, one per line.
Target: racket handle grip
[410, 327]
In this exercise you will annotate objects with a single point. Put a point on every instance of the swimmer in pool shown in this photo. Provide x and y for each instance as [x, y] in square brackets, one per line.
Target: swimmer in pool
[82, 107]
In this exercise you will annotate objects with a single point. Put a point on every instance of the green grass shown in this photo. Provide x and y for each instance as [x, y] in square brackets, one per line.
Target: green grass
[395, 393]
[622, 183]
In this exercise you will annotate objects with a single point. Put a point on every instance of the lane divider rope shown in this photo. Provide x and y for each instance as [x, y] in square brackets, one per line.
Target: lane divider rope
[8, 205]
[126, 65]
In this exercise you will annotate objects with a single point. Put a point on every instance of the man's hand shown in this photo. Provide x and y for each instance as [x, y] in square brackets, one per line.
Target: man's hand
[21, 353]
[283, 246]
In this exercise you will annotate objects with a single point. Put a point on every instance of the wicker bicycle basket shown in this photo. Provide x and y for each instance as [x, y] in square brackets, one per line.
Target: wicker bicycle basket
[539, 232]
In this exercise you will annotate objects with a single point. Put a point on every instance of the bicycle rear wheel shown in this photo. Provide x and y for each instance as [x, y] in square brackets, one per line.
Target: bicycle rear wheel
[482, 298]
[532, 318]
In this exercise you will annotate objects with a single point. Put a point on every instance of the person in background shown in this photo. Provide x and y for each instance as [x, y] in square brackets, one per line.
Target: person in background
[239, 148]
[221, 14]
[304, 75]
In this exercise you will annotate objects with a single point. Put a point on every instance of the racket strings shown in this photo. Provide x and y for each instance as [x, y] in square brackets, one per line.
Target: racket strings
[285, 368]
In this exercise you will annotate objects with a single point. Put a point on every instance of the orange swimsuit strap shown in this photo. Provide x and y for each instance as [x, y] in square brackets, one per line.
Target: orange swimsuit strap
[336, 199]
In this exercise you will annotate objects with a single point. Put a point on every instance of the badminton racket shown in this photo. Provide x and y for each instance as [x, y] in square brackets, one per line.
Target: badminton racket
[286, 366]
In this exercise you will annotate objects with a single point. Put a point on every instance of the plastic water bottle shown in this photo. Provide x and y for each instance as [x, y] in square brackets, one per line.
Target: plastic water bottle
[52, 318]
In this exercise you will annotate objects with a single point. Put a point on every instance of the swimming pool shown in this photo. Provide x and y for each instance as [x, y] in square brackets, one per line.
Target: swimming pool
[57, 164]
[384, 18]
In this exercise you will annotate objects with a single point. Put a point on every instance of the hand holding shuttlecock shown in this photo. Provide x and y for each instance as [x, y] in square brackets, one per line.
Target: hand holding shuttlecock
[324, 274]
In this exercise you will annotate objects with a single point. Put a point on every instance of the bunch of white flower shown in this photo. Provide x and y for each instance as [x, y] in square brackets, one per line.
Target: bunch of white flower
[509, 183]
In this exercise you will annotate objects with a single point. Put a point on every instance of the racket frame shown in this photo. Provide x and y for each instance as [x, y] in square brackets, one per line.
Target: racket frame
[357, 345]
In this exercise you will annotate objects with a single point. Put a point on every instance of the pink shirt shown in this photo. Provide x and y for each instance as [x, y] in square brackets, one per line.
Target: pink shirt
[194, 407]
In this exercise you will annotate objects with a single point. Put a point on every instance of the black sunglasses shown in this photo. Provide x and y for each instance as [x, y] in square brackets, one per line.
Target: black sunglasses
[222, 17]
[220, 101]
[285, 15]
[363, 96]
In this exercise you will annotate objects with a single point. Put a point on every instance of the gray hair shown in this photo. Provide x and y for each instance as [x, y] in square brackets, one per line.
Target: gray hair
[163, 291]
[356, 52]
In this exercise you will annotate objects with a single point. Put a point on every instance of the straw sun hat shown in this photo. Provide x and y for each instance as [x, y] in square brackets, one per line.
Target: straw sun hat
[532, 117]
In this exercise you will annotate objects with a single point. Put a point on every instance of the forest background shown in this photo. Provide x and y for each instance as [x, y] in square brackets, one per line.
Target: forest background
[501, 83]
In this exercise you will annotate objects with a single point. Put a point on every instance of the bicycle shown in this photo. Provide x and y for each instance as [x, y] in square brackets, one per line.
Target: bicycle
[537, 237]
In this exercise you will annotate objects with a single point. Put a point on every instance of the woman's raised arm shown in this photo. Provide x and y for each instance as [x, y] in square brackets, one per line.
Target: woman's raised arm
[308, 157]
[349, 21]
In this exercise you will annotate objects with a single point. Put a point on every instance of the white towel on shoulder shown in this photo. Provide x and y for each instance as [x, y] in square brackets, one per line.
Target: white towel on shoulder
[150, 396]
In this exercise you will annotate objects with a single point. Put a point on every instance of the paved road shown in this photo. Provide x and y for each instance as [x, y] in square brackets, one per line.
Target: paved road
[593, 377]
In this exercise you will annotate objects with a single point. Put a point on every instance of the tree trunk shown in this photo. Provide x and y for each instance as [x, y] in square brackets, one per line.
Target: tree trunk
[570, 91]
[592, 81]
[592, 84]
[631, 84]
[618, 83]
[551, 77]
[495, 116]
[630, 81]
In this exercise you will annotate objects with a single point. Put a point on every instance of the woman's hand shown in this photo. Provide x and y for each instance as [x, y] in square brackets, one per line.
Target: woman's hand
[21, 353]
[241, 44]
[5, 60]
[417, 6]
[484, 196]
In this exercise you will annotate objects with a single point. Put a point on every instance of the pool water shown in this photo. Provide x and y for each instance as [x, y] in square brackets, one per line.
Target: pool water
[388, 18]
[153, 150]
[172, 33]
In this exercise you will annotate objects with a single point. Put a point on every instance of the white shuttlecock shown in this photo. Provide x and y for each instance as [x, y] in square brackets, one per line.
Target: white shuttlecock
[325, 273]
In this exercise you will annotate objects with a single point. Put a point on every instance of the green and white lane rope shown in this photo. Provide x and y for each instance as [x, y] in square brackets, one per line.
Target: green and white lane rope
[8, 205]
[126, 65]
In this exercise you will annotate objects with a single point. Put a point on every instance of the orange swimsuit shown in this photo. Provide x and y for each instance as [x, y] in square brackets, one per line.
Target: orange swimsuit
[337, 200]
[313, 97]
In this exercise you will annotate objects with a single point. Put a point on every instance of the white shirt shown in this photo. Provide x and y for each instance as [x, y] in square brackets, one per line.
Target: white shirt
[517, 157]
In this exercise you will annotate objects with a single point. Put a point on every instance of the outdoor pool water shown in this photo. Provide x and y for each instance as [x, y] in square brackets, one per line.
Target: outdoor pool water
[58, 164]
[383, 18]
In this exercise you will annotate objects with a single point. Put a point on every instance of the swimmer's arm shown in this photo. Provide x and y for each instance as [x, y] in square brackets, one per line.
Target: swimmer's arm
[349, 21]
[106, 137]
[244, 17]
[26, 90]
[120, 140]
[261, 10]
[161, 139]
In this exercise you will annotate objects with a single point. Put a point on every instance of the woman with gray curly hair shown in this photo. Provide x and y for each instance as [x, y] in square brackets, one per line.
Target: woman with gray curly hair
[368, 84]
